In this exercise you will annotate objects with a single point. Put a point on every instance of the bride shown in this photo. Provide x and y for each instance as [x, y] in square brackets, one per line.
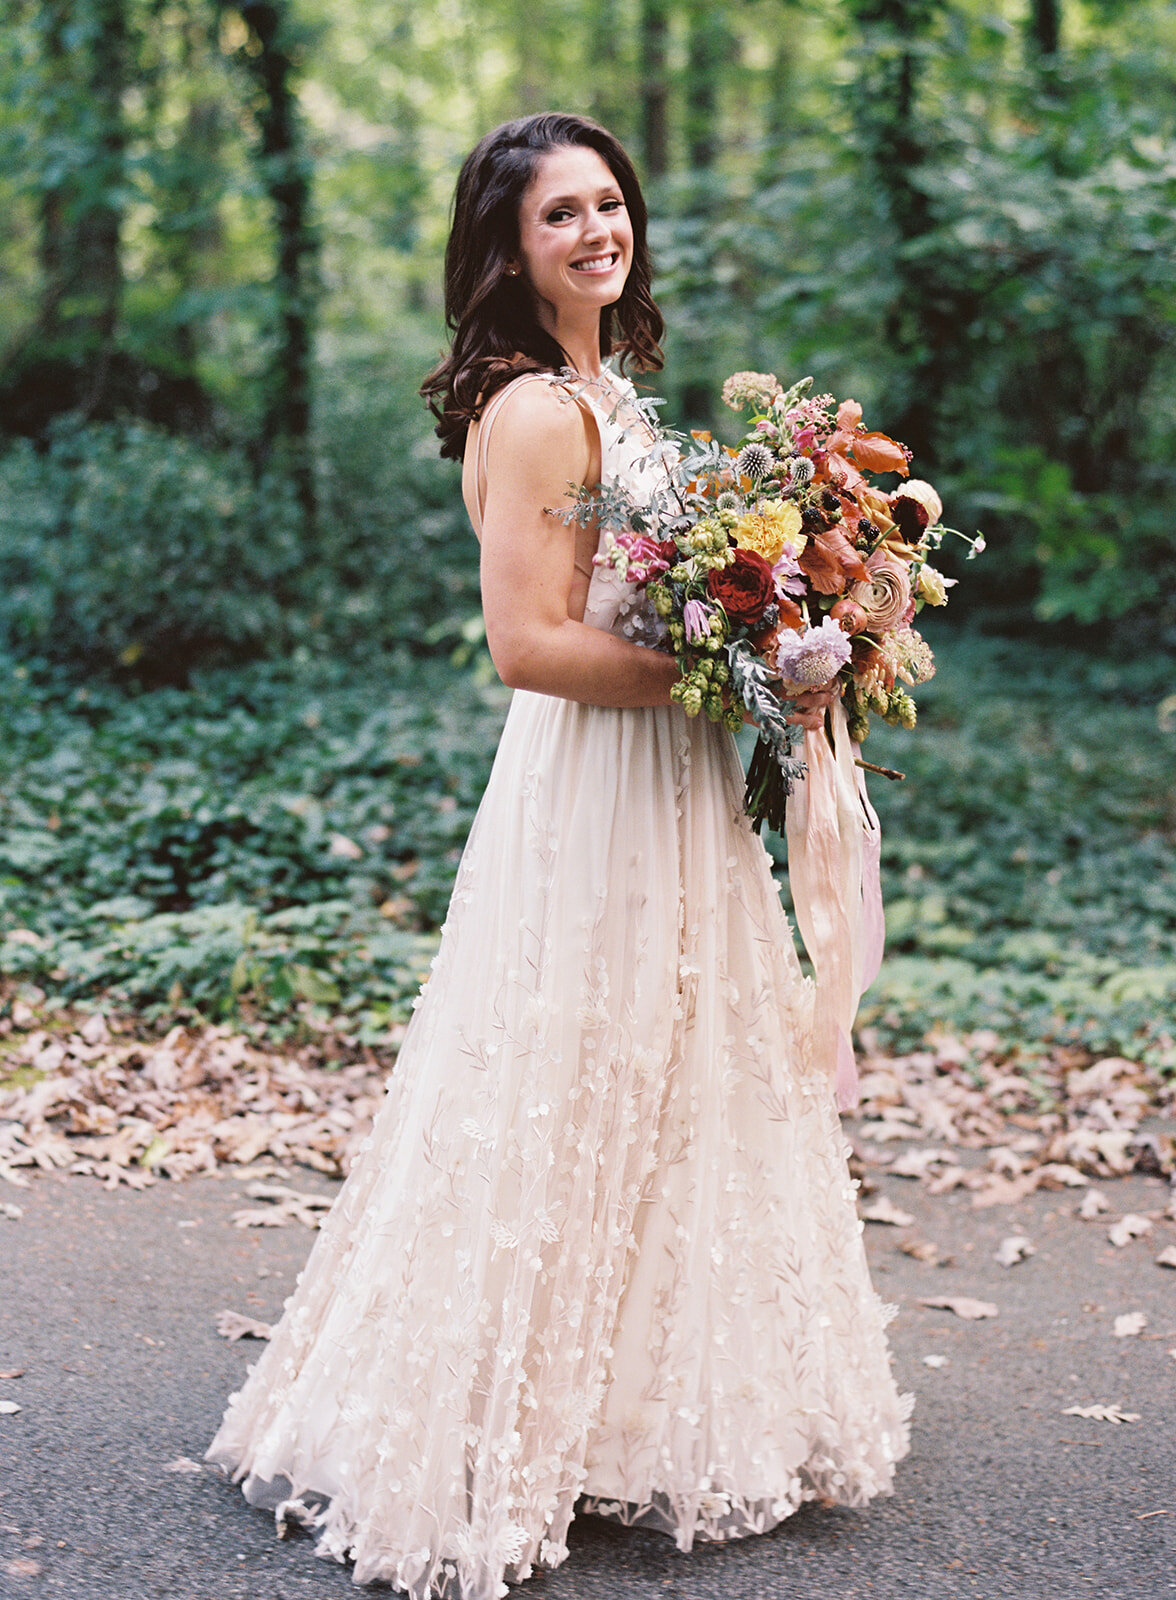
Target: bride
[600, 1251]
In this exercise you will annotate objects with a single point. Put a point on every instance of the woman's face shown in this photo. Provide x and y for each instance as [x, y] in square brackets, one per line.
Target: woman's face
[575, 236]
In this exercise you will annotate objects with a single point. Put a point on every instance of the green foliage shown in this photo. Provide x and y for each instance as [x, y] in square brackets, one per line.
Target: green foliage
[264, 841]
[279, 844]
[121, 544]
[1027, 857]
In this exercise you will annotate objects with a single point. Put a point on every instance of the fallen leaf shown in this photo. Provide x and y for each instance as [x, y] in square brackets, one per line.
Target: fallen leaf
[925, 1251]
[183, 1464]
[234, 1325]
[292, 1514]
[1013, 1249]
[1101, 1413]
[917, 1163]
[883, 1210]
[1167, 1258]
[22, 1566]
[11, 1372]
[1127, 1228]
[970, 1310]
[13, 1213]
[996, 1191]
[1094, 1203]
[8, 1408]
[935, 1361]
[1129, 1324]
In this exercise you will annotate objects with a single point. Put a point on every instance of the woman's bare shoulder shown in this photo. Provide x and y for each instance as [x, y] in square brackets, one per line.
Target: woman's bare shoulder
[543, 420]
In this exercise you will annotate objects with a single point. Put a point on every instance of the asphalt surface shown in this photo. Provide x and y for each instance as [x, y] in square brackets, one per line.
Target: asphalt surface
[108, 1302]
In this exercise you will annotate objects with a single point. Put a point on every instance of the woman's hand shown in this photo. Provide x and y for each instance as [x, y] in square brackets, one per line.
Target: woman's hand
[812, 705]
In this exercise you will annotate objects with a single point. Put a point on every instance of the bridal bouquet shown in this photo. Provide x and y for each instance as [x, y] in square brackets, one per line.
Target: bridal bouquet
[781, 565]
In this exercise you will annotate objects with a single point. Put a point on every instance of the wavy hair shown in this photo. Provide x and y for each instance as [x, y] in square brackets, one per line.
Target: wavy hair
[496, 334]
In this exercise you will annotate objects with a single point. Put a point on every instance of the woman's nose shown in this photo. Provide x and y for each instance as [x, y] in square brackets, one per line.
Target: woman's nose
[595, 225]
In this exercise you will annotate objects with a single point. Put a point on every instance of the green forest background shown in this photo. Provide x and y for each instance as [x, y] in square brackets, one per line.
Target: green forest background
[247, 713]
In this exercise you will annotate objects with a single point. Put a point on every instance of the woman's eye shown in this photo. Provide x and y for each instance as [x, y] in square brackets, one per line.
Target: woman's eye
[560, 214]
[611, 205]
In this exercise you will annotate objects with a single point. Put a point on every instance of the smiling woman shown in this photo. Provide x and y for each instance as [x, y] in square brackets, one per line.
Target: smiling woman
[600, 1252]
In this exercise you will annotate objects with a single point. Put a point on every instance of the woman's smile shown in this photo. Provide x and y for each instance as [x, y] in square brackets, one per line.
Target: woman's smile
[575, 242]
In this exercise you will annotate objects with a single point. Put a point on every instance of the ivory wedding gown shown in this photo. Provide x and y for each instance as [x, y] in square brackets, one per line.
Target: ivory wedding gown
[600, 1251]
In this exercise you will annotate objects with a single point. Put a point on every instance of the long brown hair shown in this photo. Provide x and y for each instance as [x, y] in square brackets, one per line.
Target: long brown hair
[496, 334]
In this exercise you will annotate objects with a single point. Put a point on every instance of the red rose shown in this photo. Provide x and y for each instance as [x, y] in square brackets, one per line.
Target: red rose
[745, 589]
[668, 551]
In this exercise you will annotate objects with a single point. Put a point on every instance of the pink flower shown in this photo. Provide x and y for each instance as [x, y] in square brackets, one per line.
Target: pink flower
[696, 620]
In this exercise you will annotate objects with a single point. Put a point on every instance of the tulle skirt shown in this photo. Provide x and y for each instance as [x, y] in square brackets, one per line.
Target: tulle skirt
[600, 1251]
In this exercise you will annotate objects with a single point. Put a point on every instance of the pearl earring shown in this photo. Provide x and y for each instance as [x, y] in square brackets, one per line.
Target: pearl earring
[512, 272]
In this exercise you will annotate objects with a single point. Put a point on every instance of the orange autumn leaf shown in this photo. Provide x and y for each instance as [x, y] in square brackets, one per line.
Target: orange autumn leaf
[829, 559]
[876, 452]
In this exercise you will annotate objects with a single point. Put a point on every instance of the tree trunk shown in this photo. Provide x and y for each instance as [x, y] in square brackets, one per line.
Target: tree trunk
[84, 51]
[1045, 27]
[709, 42]
[923, 320]
[610, 105]
[655, 87]
[286, 174]
[707, 45]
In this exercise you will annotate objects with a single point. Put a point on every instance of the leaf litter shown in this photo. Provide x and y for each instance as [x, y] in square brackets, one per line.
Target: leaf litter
[1050, 1118]
[105, 1097]
[132, 1110]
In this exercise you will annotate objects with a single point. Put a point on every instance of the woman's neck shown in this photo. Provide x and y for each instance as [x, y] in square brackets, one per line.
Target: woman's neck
[580, 342]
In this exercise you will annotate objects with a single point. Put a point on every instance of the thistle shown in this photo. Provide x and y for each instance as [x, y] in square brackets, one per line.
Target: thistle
[754, 461]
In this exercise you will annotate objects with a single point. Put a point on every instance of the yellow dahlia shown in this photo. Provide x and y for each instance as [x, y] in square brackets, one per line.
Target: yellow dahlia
[770, 531]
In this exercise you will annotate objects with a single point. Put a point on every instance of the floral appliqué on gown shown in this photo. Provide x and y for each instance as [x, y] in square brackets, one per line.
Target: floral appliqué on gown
[600, 1251]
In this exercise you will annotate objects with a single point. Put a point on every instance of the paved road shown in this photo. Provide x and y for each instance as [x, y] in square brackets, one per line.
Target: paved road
[108, 1302]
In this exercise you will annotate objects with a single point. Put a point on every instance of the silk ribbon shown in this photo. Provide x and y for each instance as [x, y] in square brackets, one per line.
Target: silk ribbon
[834, 849]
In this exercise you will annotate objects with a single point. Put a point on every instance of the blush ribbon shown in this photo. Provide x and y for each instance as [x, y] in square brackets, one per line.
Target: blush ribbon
[834, 853]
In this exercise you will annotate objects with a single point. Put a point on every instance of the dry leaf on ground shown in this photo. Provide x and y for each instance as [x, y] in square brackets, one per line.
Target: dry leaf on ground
[1129, 1325]
[1127, 1228]
[183, 1464]
[963, 1306]
[8, 1408]
[935, 1361]
[292, 1514]
[1167, 1258]
[11, 1372]
[1094, 1203]
[1101, 1413]
[884, 1210]
[1013, 1249]
[234, 1325]
[925, 1251]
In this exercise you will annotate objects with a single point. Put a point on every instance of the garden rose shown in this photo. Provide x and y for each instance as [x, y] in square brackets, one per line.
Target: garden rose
[886, 597]
[918, 489]
[745, 589]
[933, 586]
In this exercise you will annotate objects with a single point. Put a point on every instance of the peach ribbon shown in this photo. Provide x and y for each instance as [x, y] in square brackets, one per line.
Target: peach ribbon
[834, 848]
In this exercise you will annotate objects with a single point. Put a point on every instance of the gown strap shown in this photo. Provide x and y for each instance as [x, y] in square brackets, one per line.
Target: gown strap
[486, 421]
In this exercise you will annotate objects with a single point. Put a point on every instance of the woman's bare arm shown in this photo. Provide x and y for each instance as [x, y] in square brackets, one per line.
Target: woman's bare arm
[541, 442]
